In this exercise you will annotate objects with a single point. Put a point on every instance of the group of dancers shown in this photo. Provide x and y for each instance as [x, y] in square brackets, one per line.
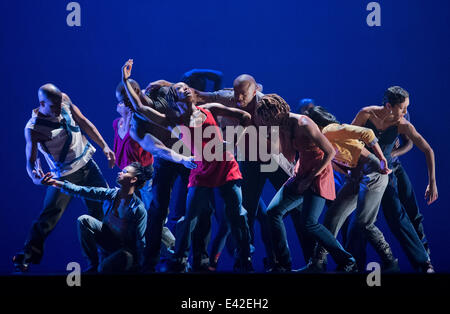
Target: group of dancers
[347, 168]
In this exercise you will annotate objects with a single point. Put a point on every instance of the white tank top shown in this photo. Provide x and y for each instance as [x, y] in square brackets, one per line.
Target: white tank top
[79, 150]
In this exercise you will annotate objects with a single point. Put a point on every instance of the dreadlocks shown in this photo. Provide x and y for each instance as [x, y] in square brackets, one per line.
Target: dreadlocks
[272, 108]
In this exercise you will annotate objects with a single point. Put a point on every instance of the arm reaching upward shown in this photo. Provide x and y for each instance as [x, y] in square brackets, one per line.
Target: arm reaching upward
[147, 112]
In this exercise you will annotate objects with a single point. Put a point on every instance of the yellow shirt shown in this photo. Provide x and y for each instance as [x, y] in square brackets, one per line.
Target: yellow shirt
[348, 142]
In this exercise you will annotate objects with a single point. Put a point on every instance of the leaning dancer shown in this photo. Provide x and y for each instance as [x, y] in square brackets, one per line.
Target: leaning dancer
[168, 174]
[223, 174]
[388, 122]
[362, 190]
[311, 184]
[55, 130]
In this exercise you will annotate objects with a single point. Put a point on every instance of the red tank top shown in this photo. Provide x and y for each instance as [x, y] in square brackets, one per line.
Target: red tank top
[309, 157]
[128, 150]
[209, 173]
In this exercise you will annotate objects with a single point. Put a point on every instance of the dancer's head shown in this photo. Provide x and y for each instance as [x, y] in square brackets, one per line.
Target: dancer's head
[272, 110]
[134, 175]
[124, 105]
[304, 104]
[245, 88]
[320, 116]
[180, 99]
[50, 98]
[396, 99]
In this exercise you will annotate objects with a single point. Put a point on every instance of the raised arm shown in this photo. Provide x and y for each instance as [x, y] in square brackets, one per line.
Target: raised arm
[406, 128]
[147, 112]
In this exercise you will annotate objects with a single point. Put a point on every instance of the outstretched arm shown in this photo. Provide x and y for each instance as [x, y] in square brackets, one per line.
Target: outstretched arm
[216, 109]
[157, 148]
[431, 193]
[91, 193]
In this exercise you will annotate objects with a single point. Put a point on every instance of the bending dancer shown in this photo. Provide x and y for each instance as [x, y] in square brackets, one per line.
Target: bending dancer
[388, 122]
[223, 174]
[362, 190]
[311, 184]
[120, 236]
[168, 173]
[55, 130]
[245, 95]
[127, 151]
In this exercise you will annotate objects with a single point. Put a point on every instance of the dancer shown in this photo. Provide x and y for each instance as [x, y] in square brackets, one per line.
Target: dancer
[222, 174]
[362, 190]
[127, 151]
[387, 121]
[120, 236]
[55, 130]
[169, 173]
[311, 184]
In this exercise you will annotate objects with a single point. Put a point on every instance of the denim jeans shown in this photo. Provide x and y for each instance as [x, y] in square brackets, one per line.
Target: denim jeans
[55, 204]
[198, 203]
[96, 237]
[165, 175]
[286, 200]
[409, 201]
[362, 191]
[401, 226]
[252, 187]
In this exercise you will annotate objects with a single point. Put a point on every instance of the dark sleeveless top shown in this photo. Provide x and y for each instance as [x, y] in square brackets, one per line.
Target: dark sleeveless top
[386, 139]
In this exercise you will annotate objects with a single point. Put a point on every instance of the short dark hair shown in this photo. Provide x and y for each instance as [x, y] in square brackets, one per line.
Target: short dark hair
[120, 89]
[142, 174]
[320, 116]
[395, 95]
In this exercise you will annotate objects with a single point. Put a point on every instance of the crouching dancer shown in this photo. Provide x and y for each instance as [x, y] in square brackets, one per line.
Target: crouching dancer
[121, 234]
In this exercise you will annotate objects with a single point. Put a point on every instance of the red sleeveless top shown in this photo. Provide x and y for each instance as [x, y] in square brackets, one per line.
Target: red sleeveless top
[310, 155]
[210, 172]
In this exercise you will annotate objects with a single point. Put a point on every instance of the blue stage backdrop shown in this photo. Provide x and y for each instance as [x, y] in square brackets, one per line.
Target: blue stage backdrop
[319, 49]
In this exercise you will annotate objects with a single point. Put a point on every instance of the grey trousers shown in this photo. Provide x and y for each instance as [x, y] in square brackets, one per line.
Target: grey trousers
[362, 193]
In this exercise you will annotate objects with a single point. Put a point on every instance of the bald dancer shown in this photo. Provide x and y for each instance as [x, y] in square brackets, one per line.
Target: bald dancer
[245, 95]
[54, 129]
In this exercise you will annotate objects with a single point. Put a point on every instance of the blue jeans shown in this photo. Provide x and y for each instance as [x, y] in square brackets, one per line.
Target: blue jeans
[252, 187]
[55, 204]
[165, 175]
[409, 201]
[401, 225]
[286, 200]
[198, 203]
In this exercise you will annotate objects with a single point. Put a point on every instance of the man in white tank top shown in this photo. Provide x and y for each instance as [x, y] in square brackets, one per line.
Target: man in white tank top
[55, 130]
